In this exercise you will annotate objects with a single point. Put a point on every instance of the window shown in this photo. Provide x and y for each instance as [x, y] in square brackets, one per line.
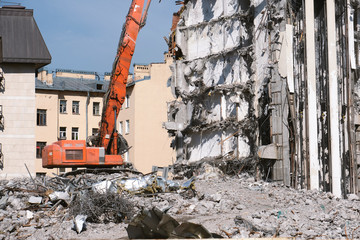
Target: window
[96, 108]
[126, 157]
[99, 86]
[75, 107]
[74, 154]
[127, 127]
[1, 119]
[62, 170]
[95, 131]
[39, 147]
[62, 133]
[121, 126]
[40, 175]
[75, 133]
[1, 158]
[127, 101]
[41, 117]
[62, 106]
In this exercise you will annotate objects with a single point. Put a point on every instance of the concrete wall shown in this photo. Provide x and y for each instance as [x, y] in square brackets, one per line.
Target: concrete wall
[214, 80]
[18, 136]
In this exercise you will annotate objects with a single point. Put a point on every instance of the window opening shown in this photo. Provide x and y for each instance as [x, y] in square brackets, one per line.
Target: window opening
[39, 147]
[75, 133]
[96, 108]
[1, 157]
[2, 120]
[75, 107]
[62, 133]
[95, 131]
[2, 81]
[41, 117]
[127, 127]
[62, 106]
[127, 101]
[121, 126]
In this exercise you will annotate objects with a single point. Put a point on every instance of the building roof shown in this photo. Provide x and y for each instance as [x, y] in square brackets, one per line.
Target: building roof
[20, 38]
[75, 71]
[132, 83]
[73, 84]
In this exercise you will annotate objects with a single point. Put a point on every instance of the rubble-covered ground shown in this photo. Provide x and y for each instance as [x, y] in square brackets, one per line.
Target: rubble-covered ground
[231, 206]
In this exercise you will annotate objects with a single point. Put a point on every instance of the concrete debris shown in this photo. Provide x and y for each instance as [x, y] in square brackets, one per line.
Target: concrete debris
[35, 200]
[151, 183]
[353, 197]
[104, 187]
[4, 202]
[235, 206]
[79, 223]
[56, 196]
[29, 214]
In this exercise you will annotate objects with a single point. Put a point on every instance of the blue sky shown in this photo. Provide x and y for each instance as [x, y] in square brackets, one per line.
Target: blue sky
[84, 34]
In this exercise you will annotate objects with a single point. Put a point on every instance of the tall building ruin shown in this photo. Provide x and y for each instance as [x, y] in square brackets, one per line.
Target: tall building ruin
[273, 84]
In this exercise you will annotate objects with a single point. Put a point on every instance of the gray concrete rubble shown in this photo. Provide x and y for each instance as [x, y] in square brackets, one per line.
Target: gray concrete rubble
[230, 206]
[252, 82]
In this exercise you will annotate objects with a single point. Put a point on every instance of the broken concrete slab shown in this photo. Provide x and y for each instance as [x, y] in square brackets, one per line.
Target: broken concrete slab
[79, 223]
[35, 200]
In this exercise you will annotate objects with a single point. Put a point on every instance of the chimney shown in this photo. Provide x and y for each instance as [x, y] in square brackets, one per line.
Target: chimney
[45, 77]
[42, 75]
[49, 79]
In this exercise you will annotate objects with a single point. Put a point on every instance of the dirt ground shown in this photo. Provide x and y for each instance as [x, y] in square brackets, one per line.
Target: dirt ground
[233, 207]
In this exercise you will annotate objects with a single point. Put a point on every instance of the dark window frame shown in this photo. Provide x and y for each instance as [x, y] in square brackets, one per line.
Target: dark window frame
[96, 108]
[41, 117]
[62, 106]
[76, 107]
[61, 130]
[39, 147]
[75, 132]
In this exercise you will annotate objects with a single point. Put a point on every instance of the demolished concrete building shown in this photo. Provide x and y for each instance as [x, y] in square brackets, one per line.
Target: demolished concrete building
[271, 82]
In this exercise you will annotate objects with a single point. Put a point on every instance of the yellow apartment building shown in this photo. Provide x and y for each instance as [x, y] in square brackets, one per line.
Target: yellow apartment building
[141, 119]
[68, 106]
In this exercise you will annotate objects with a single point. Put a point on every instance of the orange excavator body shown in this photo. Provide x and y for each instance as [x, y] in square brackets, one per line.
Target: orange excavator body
[75, 153]
[105, 153]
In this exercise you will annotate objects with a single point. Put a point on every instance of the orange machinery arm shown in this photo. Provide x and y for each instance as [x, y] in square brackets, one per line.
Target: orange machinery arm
[117, 90]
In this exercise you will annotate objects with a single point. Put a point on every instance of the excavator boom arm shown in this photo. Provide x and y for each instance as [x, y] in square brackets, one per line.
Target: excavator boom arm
[115, 96]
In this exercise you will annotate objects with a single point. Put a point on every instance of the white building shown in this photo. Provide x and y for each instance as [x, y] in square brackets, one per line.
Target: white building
[22, 52]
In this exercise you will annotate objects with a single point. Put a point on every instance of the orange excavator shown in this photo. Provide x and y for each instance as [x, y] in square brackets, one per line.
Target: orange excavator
[106, 148]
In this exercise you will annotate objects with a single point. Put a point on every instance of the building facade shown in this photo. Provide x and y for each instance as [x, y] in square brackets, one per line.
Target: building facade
[142, 116]
[271, 85]
[22, 52]
[68, 106]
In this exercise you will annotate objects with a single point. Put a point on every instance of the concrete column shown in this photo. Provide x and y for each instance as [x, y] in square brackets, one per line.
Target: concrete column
[333, 100]
[312, 129]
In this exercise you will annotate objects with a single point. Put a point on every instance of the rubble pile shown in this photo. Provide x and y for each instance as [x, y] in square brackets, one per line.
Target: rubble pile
[97, 206]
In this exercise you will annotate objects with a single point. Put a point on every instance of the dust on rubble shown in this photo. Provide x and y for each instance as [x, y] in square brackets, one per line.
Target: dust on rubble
[230, 206]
